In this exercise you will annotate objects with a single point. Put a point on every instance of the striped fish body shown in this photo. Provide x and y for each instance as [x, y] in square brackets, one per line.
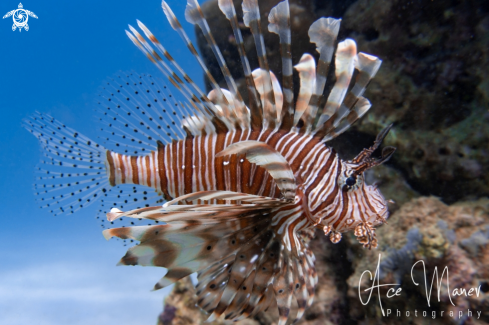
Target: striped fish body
[244, 185]
[190, 165]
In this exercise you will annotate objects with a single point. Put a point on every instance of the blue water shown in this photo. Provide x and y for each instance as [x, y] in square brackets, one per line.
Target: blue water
[60, 270]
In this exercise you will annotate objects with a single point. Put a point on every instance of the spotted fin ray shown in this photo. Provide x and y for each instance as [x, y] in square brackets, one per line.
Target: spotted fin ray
[71, 174]
[134, 113]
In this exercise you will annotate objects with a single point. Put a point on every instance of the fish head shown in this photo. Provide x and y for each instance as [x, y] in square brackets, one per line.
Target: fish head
[359, 206]
[363, 203]
[352, 180]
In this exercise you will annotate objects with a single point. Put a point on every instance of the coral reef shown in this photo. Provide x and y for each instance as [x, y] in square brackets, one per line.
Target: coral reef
[181, 308]
[477, 241]
[398, 261]
[427, 230]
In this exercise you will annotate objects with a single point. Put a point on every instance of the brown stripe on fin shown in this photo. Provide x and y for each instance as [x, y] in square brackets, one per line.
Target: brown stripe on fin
[367, 66]
[224, 195]
[227, 111]
[173, 276]
[260, 77]
[279, 19]
[114, 214]
[247, 259]
[283, 287]
[194, 15]
[210, 111]
[175, 24]
[190, 96]
[344, 66]
[323, 32]
[212, 282]
[307, 74]
[300, 290]
[242, 296]
[361, 107]
[199, 96]
[251, 18]
[227, 7]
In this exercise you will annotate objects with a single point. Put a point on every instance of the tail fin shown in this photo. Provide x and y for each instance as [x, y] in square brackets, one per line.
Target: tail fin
[72, 173]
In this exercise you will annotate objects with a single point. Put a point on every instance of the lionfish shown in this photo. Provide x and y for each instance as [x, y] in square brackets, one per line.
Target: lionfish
[245, 186]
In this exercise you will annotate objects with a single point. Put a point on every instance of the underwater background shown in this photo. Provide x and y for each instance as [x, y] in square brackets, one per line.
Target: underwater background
[433, 85]
[61, 270]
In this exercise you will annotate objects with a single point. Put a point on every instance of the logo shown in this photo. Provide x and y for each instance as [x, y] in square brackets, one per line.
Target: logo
[20, 17]
[436, 281]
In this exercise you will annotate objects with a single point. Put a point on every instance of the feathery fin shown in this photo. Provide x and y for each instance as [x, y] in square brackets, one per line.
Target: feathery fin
[175, 24]
[323, 32]
[227, 7]
[194, 15]
[344, 66]
[72, 173]
[279, 19]
[307, 74]
[251, 18]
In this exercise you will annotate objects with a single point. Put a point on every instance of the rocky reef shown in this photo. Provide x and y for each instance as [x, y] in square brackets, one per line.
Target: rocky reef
[433, 85]
[451, 239]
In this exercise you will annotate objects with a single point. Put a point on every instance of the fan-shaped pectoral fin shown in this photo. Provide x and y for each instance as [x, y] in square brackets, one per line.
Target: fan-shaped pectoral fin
[267, 157]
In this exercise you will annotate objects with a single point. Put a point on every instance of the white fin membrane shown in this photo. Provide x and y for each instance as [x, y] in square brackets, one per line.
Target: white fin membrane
[135, 111]
[71, 174]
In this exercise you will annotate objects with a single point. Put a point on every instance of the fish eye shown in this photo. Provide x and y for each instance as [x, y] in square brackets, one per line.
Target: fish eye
[350, 181]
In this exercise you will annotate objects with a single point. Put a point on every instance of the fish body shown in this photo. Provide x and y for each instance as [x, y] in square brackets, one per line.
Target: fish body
[244, 185]
[190, 165]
